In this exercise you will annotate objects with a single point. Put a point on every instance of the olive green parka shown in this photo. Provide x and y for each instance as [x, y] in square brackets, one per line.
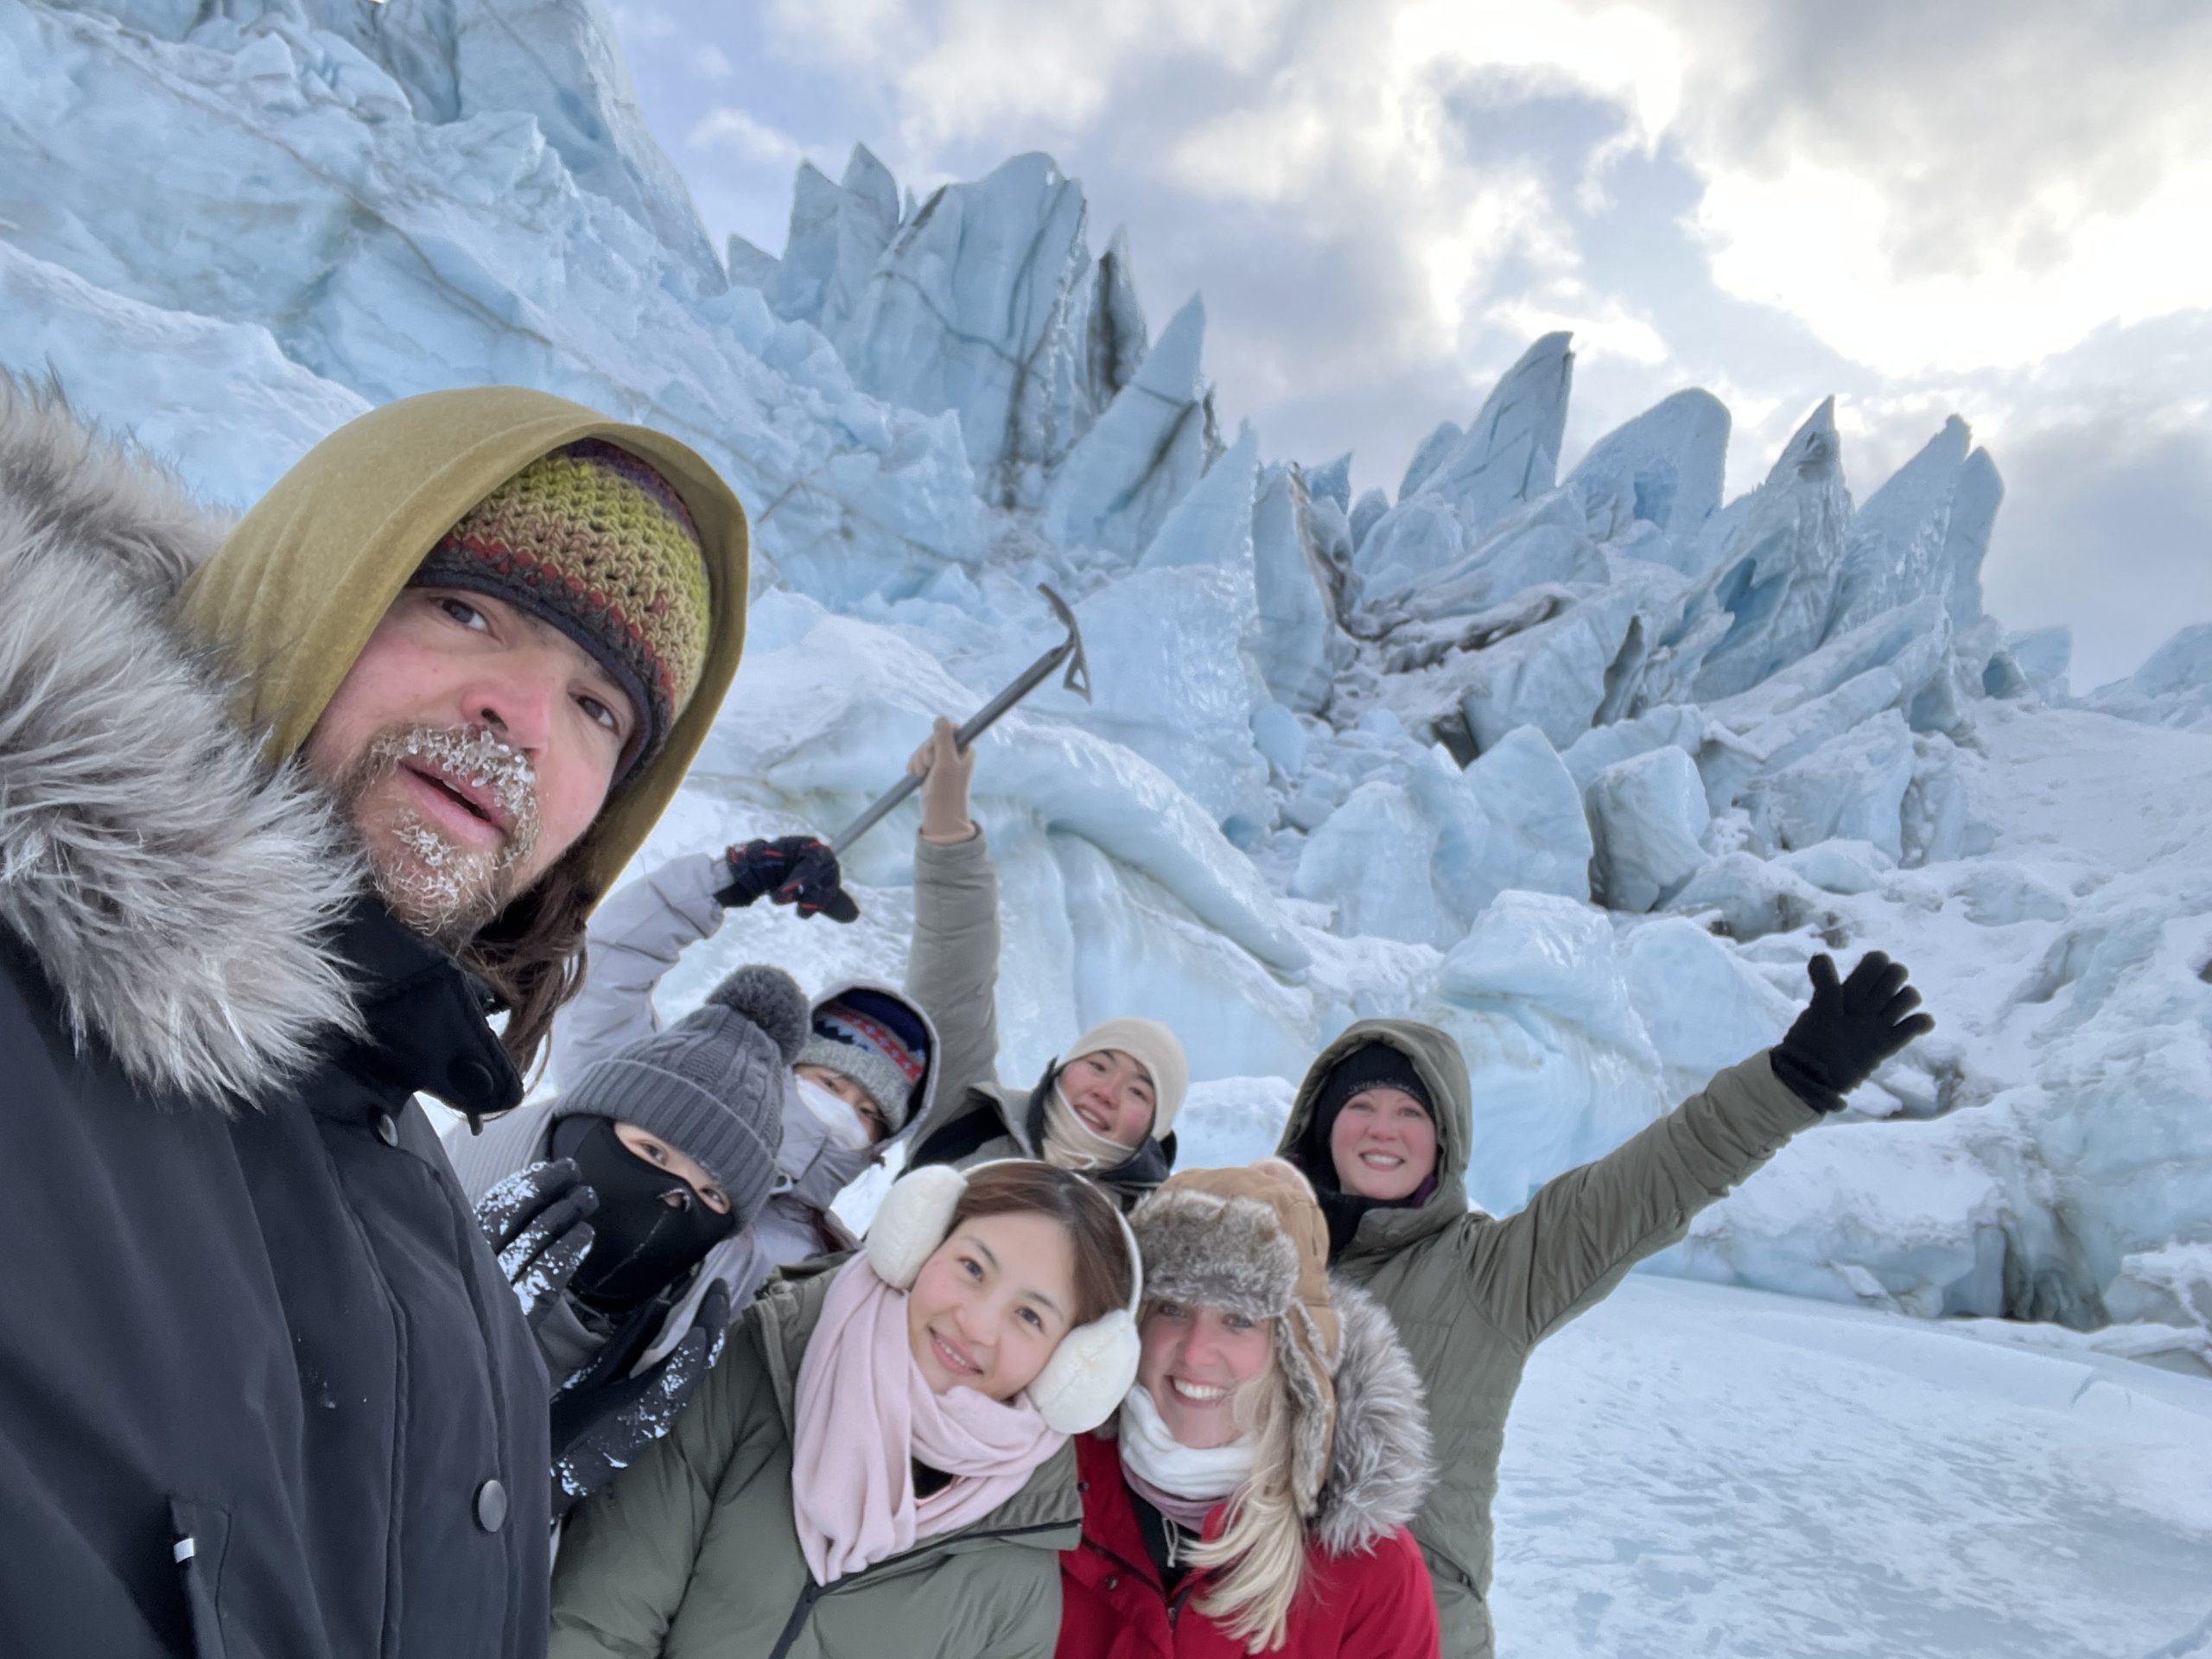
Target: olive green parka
[1472, 1294]
[691, 1552]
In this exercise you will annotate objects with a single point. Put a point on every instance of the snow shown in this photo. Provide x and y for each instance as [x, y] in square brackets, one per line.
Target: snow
[1696, 1469]
[1352, 754]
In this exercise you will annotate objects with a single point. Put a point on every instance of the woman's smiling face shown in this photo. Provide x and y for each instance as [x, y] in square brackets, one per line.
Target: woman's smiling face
[990, 1305]
[1194, 1363]
[1383, 1144]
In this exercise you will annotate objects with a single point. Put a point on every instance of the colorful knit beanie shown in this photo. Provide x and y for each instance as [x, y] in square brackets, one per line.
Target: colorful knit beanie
[878, 1042]
[594, 541]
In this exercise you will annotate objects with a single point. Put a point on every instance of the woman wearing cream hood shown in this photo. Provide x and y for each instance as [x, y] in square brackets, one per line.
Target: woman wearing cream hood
[1106, 1108]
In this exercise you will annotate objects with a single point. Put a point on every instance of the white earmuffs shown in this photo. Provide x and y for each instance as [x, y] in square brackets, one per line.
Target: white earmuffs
[1090, 1373]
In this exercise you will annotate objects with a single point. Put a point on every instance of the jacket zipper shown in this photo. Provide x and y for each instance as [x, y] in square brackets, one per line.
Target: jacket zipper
[814, 1592]
[1190, 1587]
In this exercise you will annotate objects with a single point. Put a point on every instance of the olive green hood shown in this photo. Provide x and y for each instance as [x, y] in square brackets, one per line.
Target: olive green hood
[290, 598]
[1443, 1071]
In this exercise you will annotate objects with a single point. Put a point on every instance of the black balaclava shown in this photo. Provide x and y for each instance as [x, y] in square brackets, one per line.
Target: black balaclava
[649, 1229]
[1374, 1065]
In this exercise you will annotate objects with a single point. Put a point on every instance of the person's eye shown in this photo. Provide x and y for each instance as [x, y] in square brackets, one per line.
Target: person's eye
[1238, 1323]
[1168, 1310]
[717, 1200]
[461, 610]
[974, 1268]
[657, 1153]
[1030, 1314]
[599, 714]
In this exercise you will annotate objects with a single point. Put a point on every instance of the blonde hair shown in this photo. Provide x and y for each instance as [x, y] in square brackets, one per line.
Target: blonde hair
[1263, 1544]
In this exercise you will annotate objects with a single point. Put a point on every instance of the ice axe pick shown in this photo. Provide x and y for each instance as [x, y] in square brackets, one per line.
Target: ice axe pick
[1069, 651]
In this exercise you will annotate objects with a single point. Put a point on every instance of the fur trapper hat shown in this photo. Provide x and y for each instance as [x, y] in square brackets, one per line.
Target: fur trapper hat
[1253, 1241]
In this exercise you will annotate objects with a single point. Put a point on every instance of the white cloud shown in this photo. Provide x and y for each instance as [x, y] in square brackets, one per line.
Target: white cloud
[712, 63]
[1989, 206]
[729, 128]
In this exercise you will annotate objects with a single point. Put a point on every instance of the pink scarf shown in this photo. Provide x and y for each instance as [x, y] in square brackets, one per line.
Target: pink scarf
[866, 1416]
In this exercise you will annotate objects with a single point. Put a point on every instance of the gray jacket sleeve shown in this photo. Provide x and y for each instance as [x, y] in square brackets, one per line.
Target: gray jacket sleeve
[634, 939]
[952, 963]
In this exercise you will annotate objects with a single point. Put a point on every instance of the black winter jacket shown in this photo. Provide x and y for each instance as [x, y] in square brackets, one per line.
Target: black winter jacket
[271, 1343]
[264, 1393]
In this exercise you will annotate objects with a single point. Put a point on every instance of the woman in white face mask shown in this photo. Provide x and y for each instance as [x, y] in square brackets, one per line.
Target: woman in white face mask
[866, 1074]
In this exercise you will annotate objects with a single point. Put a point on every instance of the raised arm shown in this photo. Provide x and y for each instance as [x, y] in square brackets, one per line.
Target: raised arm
[634, 937]
[638, 934]
[1582, 1232]
[627, 1555]
[952, 961]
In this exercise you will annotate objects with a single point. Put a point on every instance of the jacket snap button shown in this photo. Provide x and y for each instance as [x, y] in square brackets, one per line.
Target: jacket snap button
[1110, 1583]
[387, 1130]
[490, 1506]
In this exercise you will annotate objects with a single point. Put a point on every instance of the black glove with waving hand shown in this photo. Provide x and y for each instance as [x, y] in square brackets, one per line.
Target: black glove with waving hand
[1849, 1029]
[603, 1423]
[792, 869]
[535, 1220]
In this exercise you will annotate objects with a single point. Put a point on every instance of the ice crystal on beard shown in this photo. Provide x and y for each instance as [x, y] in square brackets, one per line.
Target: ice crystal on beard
[438, 887]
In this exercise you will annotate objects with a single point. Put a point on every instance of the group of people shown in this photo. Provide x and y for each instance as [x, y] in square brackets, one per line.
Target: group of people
[305, 815]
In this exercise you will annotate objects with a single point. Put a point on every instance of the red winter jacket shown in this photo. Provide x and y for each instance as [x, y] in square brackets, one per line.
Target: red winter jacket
[1370, 1605]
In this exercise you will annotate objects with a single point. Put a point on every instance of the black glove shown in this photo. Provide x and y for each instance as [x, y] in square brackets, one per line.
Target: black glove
[535, 1221]
[1847, 1029]
[601, 1425]
[792, 869]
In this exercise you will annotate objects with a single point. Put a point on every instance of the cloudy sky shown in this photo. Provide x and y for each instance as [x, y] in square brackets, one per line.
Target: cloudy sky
[1995, 209]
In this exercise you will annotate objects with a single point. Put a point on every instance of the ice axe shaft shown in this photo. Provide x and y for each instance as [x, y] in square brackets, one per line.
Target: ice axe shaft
[1069, 651]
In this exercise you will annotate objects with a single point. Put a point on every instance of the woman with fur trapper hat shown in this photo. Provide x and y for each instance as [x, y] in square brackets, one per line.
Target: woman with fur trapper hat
[880, 1465]
[625, 1214]
[1253, 1496]
[1106, 1107]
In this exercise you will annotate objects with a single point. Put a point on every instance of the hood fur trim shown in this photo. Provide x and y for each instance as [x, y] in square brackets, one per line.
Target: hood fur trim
[177, 894]
[1382, 1464]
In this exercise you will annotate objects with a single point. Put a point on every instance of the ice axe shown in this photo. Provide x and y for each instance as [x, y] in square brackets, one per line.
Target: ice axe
[1069, 651]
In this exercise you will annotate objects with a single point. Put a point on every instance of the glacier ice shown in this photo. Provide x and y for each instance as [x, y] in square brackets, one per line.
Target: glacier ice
[1663, 469]
[1510, 451]
[1648, 817]
[1117, 486]
[1352, 753]
[2172, 688]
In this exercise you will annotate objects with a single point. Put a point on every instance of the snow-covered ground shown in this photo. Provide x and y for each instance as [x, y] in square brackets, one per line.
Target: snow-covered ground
[1692, 1469]
[1568, 755]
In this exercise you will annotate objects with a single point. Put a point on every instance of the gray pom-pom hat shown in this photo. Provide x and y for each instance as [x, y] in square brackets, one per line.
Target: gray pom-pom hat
[713, 1084]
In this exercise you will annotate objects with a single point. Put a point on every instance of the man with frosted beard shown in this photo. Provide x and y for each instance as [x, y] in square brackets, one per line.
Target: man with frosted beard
[286, 817]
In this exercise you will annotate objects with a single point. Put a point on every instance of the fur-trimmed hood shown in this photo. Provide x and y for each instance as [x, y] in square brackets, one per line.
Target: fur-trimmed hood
[1380, 1463]
[179, 894]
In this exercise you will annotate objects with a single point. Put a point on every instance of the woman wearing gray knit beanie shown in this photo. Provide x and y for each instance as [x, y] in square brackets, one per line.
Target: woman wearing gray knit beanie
[623, 1212]
[865, 1075]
